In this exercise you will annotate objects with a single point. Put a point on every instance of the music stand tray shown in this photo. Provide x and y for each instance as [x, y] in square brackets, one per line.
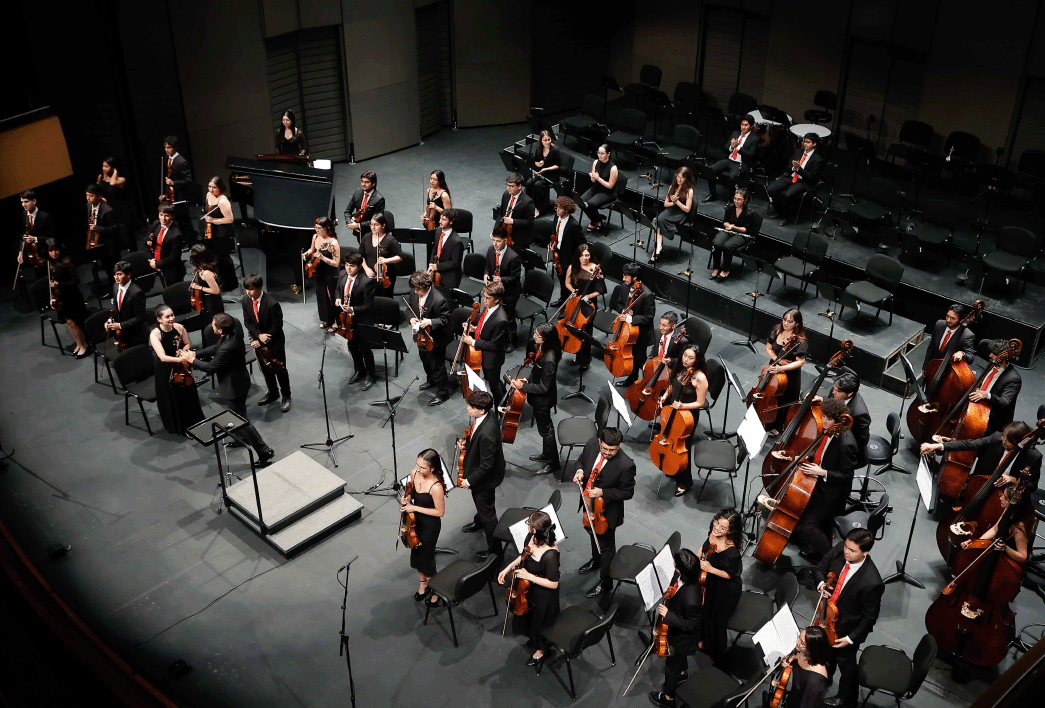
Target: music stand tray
[384, 339]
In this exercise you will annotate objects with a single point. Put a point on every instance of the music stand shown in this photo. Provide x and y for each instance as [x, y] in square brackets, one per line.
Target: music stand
[531, 260]
[507, 159]
[831, 293]
[588, 339]
[415, 236]
[213, 430]
[732, 382]
[759, 266]
[384, 339]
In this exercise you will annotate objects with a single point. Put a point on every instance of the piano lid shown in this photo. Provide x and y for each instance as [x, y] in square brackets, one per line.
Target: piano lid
[284, 170]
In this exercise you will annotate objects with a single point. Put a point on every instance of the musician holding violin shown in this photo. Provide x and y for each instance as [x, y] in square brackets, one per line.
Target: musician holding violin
[790, 324]
[687, 391]
[101, 222]
[541, 392]
[430, 314]
[65, 295]
[446, 254]
[178, 403]
[205, 281]
[163, 244]
[381, 251]
[857, 594]
[680, 612]
[37, 225]
[562, 246]
[516, 212]
[483, 469]
[504, 266]
[584, 280]
[806, 670]
[538, 565]
[489, 335]
[1000, 386]
[323, 259]
[437, 197]
[355, 297]
[721, 565]
[263, 318]
[946, 328]
[364, 203]
[632, 295]
[177, 177]
[220, 219]
[128, 307]
[427, 502]
[998, 448]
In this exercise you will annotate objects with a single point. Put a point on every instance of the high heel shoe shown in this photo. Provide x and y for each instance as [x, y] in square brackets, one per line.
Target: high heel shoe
[418, 596]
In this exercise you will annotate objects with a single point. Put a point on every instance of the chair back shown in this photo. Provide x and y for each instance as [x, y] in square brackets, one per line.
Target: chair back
[686, 136]
[593, 635]
[474, 265]
[716, 378]
[966, 146]
[1041, 412]
[387, 312]
[675, 542]
[542, 230]
[915, 132]
[882, 191]
[407, 266]
[786, 591]
[924, 655]
[687, 93]
[741, 103]
[390, 218]
[593, 106]
[178, 298]
[632, 120]
[825, 99]
[462, 298]
[885, 272]
[566, 168]
[458, 317]
[650, 75]
[876, 519]
[601, 251]
[142, 274]
[538, 284]
[939, 212]
[94, 328]
[621, 185]
[741, 452]
[1016, 240]
[698, 332]
[756, 226]
[475, 581]
[816, 248]
[602, 412]
[133, 365]
[892, 424]
[463, 225]
[555, 500]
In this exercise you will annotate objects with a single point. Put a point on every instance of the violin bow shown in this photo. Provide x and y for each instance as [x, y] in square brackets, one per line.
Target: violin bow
[653, 638]
[587, 512]
[511, 596]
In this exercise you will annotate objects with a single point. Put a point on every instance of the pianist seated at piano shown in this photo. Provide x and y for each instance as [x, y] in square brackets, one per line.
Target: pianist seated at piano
[289, 138]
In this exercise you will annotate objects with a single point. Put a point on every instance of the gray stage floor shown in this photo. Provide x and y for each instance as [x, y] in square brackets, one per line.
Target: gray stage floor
[162, 575]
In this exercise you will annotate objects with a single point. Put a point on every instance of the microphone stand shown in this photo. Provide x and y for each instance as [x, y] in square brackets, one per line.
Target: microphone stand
[751, 323]
[343, 649]
[330, 443]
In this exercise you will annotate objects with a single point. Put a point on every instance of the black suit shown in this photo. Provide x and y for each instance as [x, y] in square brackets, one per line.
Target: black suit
[966, 344]
[989, 451]
[374, 205]
[130, 314]
[643, 316]
[572, 238]
[672, 348]
[269, 321]
[784, 192]
[450, 258]
[617, 481]
[169, 264]
[815, 527]
[106, 225]
[728, 170]
[858, 606]
[361, 300]
[523, 214]
[541, 392]
[683, 621]
[437, 308]
[510, 271]
[484, 472]
[43, 227]
[181, 175]
[1004, 392]
[861, 425]
[490, 340]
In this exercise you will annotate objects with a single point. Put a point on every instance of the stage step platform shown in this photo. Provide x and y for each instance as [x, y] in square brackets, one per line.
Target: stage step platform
[301, 502]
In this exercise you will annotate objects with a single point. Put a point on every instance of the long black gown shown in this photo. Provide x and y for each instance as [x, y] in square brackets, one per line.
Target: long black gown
[683, 394]
[388, 247]
[422, 558]
[806, 689]
[179, 405]
[794, 379]
[544, 602]
[585, 285]
[720, 599]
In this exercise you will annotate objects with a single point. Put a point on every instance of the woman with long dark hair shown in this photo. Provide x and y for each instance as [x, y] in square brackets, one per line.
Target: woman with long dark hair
[381, 247]
[179, 404]
[541, 568]
[427, 503]
[688, 391]
[205, 279]
[326, 246]
[790, 324]
[541, 392]
[677, 205]
[808, 669]
[289, 138]
[720, 558]
[438, 195]
[220, 209]
[584, 279]
[603, 177]
[546, 166]
[67, 299]
[737, 222]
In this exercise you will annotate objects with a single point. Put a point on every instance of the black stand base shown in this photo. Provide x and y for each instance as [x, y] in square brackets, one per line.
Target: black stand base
[331, 442]
[903, 576]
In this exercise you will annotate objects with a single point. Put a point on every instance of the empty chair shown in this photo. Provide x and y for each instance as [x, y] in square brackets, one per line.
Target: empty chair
[756, 608]
[1015, 247]
[915, 137]
[936, 225]
[883, 276]
[808, 251]
[537, 295]
[649, 80]
[102, 342]
[41, 298]
[513, 515]
[873, 520]
[574, 630]
[685, 139]
[404, 269]
[461, 580]
[135, 371]
[741, 104]
[880, 451]
[593, 113]
[879, 201]
[890, 671]
[712, 687]
[630, 127]
[718, 456]
[573, 432]
[825, 102]
[473, 267]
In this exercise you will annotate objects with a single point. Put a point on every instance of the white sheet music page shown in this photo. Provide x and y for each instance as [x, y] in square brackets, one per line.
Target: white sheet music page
[647, 584]
[619, 404]
[778, 636]
[519, 531]
[474, 382]
[665, 565]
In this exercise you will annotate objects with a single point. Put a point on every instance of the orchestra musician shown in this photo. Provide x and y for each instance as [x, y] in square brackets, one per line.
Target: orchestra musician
[325, 244]
[178, 403]
[681, 613]
[992, 448]
[504, 266]
[1017, 544]
[858, 595]
[677, 205]
[205, 279]
[541, 569]
[790, 324]
[603, 177]
[381, 247]
[721, 559]
[785, 191]
[566, 239]
[483, 469]
[488, 335]
[101, 218]
[289, 138]
[846, 389]
[437, 194]
[181, 179]
[666, 346]
[427, 504]
[581, 278]
[606, 472]
[114, 191]
[367, 201]
[737, 222]
[546, 167]
[164, 246]
[129, 302]
[541, 393]
[644, 310]
[808, 668]
[221, 220]
[263, 318]
[226, 361]
[355, 295]
[688, 391]
[447, 252]
[743, 144]
[37, 225]
[1000, 388]
[433, 313]
[941, 337]
[65, 284]
[516, 210]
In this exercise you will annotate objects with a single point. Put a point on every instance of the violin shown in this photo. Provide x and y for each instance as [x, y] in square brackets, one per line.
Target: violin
[30, 254]
[430, 219]
[516, 402]
[826, 613]
[181, 371]
[53, 290]
[516, 594]
[343, 325]
[644, 394]
[312, 264]
[793, 490]
[93, 237]
[945, 383]
[423, 338]
[170, 187]
[117, 337]
[358, 216]
[473, 358]
[594, 516]
[266, 362]
[782, 681]
[661, 631]
[765, 394]
[408, 521]
[460, 455]
[577, 312]
[618, 355]
[196, 296]
[668, 449]
[383, 279]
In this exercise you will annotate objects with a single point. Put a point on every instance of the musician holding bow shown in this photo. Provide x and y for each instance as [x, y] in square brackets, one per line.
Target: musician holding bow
[129, 303]
[446, 254]
[516, 211]
[177, 177]
[681, 613]
[263, 318]
[504, 266]
[489, 336]
[483, 469]
[993, 450]
[164, 247]
[632, 293]
[365, 202]
[846, 389]
[355, 295]
[542, 394]
[1000, 387]
[946, 328]
[430, 310]
[565, 240]
[540, 567]
[37, 226]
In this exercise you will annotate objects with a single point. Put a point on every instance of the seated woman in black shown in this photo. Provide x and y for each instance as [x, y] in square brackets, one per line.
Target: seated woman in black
[427, 504]
[790, 324]
[736, 222]
[546, 161]
[808, 669]
[289, 138]
[584, 279]
[688, 391]
[603, 177]
[541, 568]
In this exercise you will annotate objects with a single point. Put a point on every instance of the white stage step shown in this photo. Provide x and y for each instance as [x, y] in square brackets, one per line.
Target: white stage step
[289, 489]
[310, 528]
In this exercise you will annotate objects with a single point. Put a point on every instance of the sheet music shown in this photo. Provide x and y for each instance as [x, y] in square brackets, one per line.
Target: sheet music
[474, 382]
[777, 637]
[732, 379]
[647, 584]
[925, 484]
[665, 566]
[752, 432]
[619, 404]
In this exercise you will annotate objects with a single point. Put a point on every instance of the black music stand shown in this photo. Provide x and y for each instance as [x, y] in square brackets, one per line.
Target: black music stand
[760, 267]
[732, 382]
[212, 430]
[901, 566]
[831, 293]
[588, 339]
[384, 339]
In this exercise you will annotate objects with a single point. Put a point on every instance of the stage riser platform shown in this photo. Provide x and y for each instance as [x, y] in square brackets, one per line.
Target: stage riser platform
[311, 529]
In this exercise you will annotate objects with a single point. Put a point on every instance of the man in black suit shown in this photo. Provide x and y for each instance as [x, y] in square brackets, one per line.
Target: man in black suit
[432, 312]
[741, 153]
[37, 227]
[643, 313]
[846, 389]
[263, 318]
[129, 303]
[164, 244]
[944, 330]
[228, 365]
[990, 451]
[858, 595]
[483, 468]
[542, 393]
[516, 210]
[179, 176]
[605, 472]
[355, 294]
[667, 347]
[488, 336]
[101, 219]
[1000, 387]
[835, 461]
[681, 613]
[566, 238]
[446, 254]
[367, 201]
[806, 166]
[504, 266]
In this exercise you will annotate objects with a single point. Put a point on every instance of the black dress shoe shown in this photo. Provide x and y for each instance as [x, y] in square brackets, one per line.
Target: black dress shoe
[481, 556]
[533, 662]
[588, 567]
[509, 349]
[285, 405]
[536, 458]
[838, 702]
[418, 596]
[357, 377]
[546, 468]
[266, 455]
[472, 527]
[657, 698]
[367, 383]
[709, 198]
[425, 386]
[268, 398]
[438, 400]
[600, 588]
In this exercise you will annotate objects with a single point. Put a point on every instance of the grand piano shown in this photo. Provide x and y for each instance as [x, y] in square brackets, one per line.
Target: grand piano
[285, 190]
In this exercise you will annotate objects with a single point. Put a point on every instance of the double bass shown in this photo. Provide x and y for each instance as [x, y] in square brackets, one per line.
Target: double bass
[643, 395]
[618, 355]
[669, 449]
[765, 394]
[576, 312]
[516, 402]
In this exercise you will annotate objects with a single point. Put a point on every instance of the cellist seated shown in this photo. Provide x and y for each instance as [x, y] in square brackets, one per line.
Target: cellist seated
[1015, 545]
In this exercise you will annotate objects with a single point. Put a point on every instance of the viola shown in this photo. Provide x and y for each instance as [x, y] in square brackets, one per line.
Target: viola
[408, 521]
[765, 394]
[577, 312]
[423, 338]
[661, 632]
[117, 337]
[54, 291]
[266, 362]
[196, 295]
[358, 216]
[516, 594]
[826, 613]
[460, 455]
[669, 449]
[383, 279]
[343, 325]
[644, 394]
[93, 237]
[516, 402]
[618, 355]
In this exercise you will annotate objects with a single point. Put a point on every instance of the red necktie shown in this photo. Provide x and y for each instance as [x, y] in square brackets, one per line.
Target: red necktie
[472, 429]
[497, 263]
[94, 215]
[946, 338]
[32, 221]
[170, 161]
[511, 206]
[348, 288]
[801, 164]
[256, 317]
[558, 231]
[159, 242]
[482, 319]
[366, 198]
[820, 451]
[737, 148]
[595, 472]
[838, 585]
[663, 344]
[119, 301]
[439, 251]
[990, 377]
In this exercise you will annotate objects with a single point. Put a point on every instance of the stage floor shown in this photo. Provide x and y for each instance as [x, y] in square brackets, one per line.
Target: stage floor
[150, 548]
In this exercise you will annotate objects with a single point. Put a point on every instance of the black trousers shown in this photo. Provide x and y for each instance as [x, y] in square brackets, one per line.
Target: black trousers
[495, 382]
[816, 527]
[608, 544]
[639, 352]
[845, 660]
[726, 171]
[435, 369]
[784, 195]
[726, 244]
[546, 429]
[279, 383]
[362, 355]
[513, 326]
[250, 433]
[486, 516]
[593, 201]
[674, 667]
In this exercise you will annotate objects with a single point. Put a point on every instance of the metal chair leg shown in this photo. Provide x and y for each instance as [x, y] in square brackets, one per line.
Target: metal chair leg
[453, 628]
[613, 658]
[569, 671]
[145, 417]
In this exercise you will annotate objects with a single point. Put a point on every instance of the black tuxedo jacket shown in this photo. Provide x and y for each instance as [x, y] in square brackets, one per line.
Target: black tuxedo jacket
[511, 272]
[131, 315]
[437, 309]
[861, 598]
[43, 227]
[616, 479]
[106, 225]
[683, 618]
[227, 364]
[672, 349]
[491, 340]
[747, 150]
[362, 301]
[522, 217]
[643, 313]
[861, 425]
[989, 451]
[169, 262]
[1004, 392]
[375, 204]
[269, 321]
[449, 264]
[540, 386]
[840, 460]
[572, 238]
[484, 456]
[966, 344]
[181, 175]
[809, 174]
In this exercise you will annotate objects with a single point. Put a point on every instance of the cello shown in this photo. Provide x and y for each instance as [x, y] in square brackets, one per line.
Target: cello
[669, 450]
[946, 381]
[576, 312]
[765, 394]
[618, 355]
[644, 394]
[516, 402]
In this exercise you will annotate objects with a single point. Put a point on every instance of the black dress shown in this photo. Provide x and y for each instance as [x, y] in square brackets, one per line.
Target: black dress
[539, 187]
[684, 394]
[179, 405]
[212, 303]
[294, 146]
[806, 688]
[72, 305]
[422, 558]
[387, 248]
[326, 283]
[727, 242]
[720, 599]
[544, 602]
[585, 285]
[794, 379]
[599, 194]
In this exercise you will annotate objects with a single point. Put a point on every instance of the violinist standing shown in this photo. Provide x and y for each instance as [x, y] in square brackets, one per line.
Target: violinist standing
[379, 249]
[808, 669]
[858, 595]
[488, 336]
[542, 394]
[946, 328]
[37, 225]
[434, 310]
[541, 569]
[721, 560]
[605, 472]
[790, 324]
[643, 313]
[180, 178]
[846, 389]
[991, 449]
[263, 318]
[504, 266]
[428, 504]
[681, 613]
[163, 245]
[1000, 388]
[129, 302]
[483, 469]
[101, 220]
[688, 391]
[205, 279]
[445, 256]
[178, 404]
[355, 295]
[587, 282]
[65, 287]
[437, 194]
[565, 239]
[367, 201]
[326, 246]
